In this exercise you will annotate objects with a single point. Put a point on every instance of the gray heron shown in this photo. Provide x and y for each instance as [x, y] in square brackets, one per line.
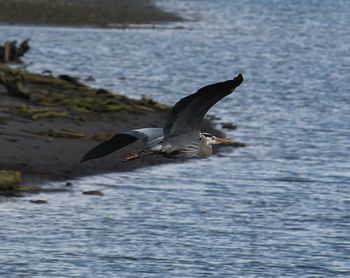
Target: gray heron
[181, 136]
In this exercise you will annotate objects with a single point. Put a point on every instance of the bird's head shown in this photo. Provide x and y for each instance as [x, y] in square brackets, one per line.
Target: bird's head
[214, 140]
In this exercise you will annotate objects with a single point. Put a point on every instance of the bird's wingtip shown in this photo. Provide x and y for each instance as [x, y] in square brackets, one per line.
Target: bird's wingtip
[239, 77]
[237, 80]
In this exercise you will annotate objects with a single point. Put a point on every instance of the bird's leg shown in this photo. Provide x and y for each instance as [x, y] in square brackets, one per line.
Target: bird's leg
[132, 156]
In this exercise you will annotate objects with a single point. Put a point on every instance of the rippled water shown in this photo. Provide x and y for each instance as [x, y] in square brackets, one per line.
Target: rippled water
[280, 207]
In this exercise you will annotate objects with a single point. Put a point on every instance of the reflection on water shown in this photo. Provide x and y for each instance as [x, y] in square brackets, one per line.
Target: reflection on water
[278, 207]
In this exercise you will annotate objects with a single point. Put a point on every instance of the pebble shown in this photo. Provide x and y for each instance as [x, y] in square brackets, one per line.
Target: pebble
[93, 192]
[39, 202]
[229, 126]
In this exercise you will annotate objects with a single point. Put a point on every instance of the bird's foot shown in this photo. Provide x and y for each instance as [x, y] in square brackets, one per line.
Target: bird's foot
[131, 156]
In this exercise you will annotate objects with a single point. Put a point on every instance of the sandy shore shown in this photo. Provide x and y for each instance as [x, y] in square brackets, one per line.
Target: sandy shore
[47, 124]
[101, 13]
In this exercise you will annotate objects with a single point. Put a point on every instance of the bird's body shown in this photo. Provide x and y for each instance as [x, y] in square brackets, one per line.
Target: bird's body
[195, 148]
[181, 136]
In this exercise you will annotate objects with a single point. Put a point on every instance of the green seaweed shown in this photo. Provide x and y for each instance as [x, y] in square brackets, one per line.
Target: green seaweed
[69, 97]
[36, 113]
[100, 137]
[28, 188]
[9, 179]
[65, 133]
[46, 80]
[49, 114]
[79, 110]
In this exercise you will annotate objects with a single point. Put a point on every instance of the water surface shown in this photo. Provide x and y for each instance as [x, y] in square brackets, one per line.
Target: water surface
[280, 207]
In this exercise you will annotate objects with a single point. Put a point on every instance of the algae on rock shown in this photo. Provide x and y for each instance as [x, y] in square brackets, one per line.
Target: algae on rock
[10, 180]
[67, 96]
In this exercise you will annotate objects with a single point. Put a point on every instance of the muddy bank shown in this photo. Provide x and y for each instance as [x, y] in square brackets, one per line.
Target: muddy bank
[102, 13]
[47, 123]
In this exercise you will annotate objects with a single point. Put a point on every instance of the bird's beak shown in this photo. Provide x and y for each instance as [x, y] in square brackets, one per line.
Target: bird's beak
[223, 141]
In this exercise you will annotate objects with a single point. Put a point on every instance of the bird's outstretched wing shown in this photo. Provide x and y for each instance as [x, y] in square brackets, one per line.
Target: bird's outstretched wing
[121, 140]
[186, 116]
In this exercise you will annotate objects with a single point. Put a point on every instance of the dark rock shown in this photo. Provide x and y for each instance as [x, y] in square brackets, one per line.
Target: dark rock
[38, 202]
[93, 192]
[71, 79]
[23, 47]
[11, 53]
[102, 92]
[230, 126]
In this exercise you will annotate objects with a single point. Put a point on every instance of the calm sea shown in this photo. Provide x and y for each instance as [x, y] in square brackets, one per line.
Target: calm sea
[279, 207]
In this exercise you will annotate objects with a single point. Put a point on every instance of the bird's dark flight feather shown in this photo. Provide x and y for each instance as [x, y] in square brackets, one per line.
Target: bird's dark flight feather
[117, 142]
[187, 114]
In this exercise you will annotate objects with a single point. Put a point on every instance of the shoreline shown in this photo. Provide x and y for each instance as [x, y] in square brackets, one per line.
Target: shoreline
[48, 123]
[88, 13]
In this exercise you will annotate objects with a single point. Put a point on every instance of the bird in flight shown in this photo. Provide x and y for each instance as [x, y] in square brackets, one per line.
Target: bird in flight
[181, 136]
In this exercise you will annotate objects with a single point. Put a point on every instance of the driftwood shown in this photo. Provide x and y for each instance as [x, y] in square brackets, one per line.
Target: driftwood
[11, 53]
